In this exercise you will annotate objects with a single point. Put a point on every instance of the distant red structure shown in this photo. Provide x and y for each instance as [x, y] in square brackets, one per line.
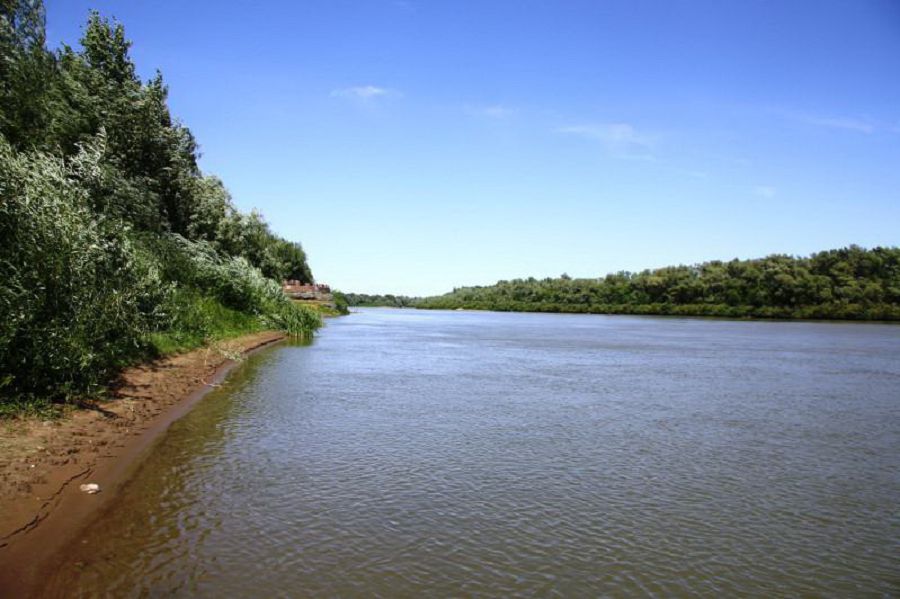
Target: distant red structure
[307, 291]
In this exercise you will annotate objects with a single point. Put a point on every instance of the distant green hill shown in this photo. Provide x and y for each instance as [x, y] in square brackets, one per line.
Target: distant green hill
[849, 283]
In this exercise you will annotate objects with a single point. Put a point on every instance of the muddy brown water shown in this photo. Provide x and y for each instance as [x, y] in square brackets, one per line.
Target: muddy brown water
[408, 454]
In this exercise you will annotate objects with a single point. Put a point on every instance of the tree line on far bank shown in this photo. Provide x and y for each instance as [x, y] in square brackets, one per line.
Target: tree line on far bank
[374, 300]
[849, 283]
[113, 244]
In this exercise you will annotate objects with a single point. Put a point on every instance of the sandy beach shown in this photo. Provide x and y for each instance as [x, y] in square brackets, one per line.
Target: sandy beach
[44, 463]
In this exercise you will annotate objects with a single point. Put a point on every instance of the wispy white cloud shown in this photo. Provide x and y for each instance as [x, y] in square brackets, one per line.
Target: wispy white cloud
[620, 139]
[765, 191]
[845, 123]
[694, 174]
[848, 124]
[364, 92]
[494, 111]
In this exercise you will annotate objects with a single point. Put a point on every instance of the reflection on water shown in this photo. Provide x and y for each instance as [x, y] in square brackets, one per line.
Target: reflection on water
[408, 453]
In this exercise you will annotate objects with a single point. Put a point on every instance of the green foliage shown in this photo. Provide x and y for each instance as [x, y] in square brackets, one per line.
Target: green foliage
[31, 406]
[197, 319]
[294, 318]
[291, 261]
[341, 303]
[849, 283]
[148, 175]
[392, 301]
[215, 220]
[238, 285]
[113, 244]
[76, 293]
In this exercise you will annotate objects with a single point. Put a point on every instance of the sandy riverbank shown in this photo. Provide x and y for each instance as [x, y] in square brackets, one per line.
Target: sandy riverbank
[43, 463]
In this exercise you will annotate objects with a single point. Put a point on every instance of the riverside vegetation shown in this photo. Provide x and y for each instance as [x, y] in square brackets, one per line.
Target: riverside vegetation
[389, 300]
[851, 283]
[114, 246]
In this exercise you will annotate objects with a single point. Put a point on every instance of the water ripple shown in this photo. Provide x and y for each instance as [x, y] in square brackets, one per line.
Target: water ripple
[468, 454]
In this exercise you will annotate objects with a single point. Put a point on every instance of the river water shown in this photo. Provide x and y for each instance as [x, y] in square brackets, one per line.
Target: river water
[410, 453]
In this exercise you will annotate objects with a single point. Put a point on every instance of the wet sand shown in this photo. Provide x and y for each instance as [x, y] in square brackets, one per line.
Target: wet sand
[43, 463]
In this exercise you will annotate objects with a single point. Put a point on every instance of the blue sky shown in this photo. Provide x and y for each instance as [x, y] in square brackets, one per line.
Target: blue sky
[413, 146]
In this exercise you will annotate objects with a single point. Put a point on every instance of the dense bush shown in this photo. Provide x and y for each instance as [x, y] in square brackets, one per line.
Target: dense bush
[76, 295]
[113, 244]
[341, 304]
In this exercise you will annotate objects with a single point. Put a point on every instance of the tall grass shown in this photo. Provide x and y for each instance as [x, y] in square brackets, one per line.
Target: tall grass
[197, 320]
[237, 285]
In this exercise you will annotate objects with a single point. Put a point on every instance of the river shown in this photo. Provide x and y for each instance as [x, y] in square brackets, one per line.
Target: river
[411, 453]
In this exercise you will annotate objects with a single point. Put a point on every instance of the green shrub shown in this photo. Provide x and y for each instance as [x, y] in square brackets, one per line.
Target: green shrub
[341, 303]
[77, 296]
[113, 244]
